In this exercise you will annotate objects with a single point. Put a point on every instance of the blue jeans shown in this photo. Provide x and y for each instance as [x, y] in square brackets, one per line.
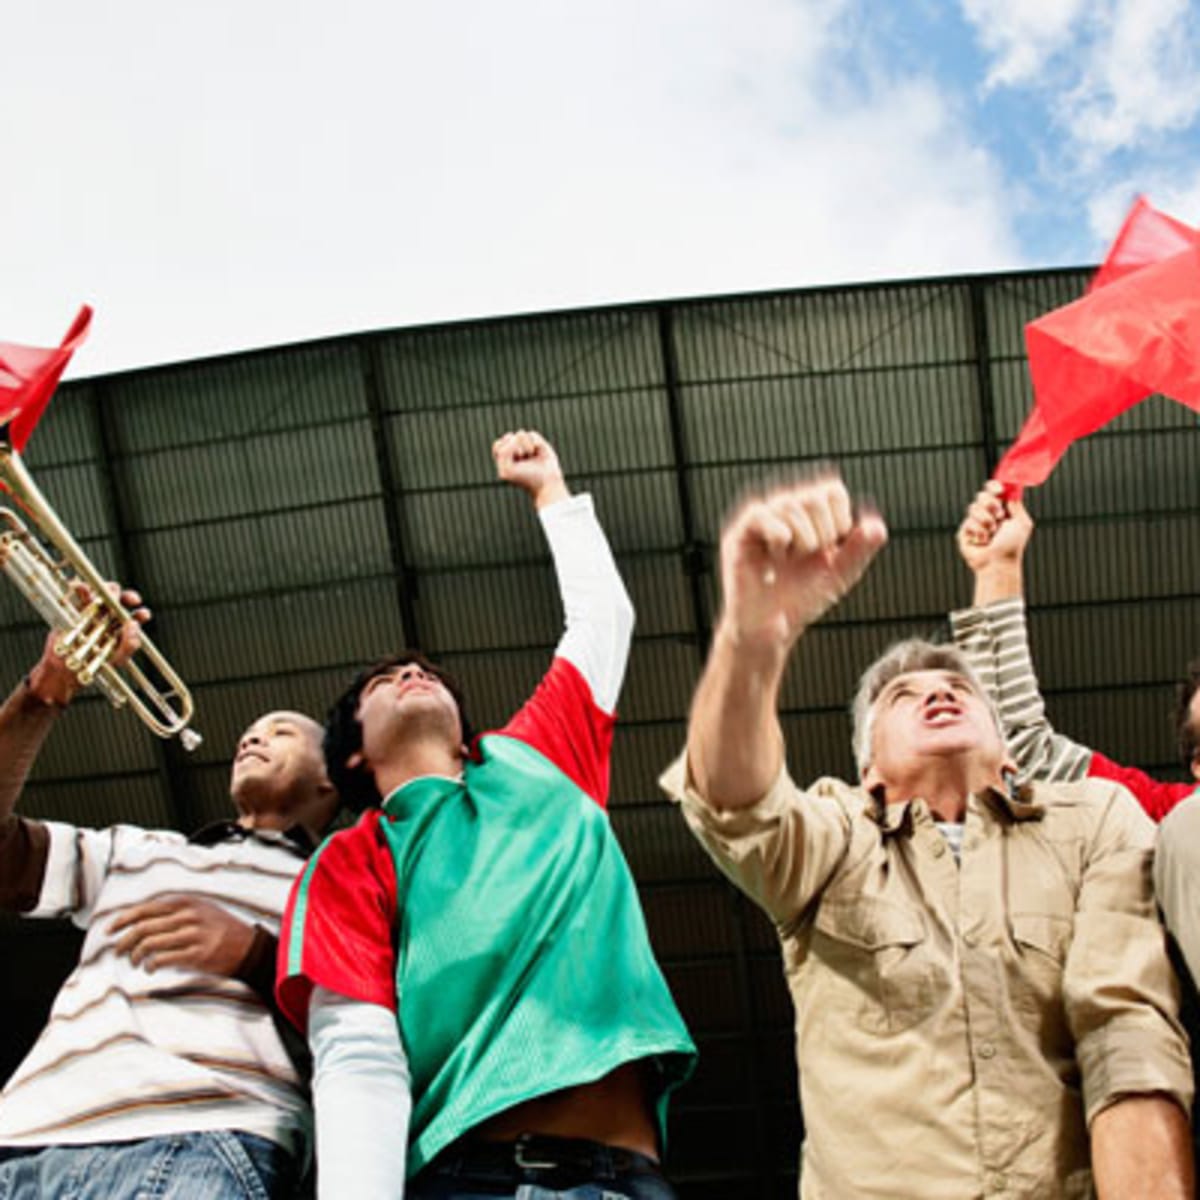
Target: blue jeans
[221, 1165]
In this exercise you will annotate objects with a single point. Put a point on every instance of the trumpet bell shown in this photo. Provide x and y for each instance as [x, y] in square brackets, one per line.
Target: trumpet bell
[72, 597]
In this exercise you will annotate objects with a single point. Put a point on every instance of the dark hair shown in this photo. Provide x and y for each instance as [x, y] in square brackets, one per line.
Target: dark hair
[343, 732]
[1186, 736]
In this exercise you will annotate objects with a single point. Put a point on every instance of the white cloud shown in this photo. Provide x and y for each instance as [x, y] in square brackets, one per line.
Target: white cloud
[1142, 76]
[1023, 35]
[227, 175]
[1116, 72]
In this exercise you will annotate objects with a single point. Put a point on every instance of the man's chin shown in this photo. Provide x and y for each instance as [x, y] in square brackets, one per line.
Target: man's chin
[244, 774]
[253, 787]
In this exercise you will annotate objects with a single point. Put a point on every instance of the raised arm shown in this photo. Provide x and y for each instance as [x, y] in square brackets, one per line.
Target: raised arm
[992, 540]
[597, 610]
[786, 558]
[571, 716]
[26, 718]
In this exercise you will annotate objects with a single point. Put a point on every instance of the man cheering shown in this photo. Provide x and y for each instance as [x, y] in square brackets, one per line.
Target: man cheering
[161, 1071]
[480, 922]
[983, 999]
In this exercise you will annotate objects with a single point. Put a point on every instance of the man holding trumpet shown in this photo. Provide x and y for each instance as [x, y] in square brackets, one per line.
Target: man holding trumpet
[162, 1066]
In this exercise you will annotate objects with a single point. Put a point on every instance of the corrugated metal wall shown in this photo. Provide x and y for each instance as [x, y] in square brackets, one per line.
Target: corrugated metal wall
[293, 513]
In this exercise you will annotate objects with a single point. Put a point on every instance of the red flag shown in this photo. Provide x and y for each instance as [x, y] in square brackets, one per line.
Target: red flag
[28, 377]
[1136, 332]
[1147, 236]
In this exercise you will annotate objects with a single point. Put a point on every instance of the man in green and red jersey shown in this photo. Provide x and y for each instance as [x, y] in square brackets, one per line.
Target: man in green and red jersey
[992, 540]
[479, 930]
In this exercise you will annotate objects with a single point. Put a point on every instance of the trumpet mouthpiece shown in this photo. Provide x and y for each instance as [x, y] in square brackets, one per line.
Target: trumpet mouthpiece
[189, 739]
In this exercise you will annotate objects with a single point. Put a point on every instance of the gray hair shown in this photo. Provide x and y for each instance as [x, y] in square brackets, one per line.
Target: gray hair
[902, 658]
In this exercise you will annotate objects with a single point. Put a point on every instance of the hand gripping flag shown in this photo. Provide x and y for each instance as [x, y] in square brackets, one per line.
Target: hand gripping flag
[28, 377]
[1135, 332]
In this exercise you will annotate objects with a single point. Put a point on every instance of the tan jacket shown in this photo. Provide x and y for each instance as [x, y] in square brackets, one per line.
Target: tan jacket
[958, 1027]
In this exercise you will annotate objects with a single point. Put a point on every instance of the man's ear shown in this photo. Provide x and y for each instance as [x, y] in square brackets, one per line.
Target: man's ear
[871, 779]
[355, 760]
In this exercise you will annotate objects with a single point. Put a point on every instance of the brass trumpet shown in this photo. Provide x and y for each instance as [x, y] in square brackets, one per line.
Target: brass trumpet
[88, 619]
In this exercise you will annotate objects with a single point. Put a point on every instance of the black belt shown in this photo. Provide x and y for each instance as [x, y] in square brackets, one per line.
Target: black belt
[539, 1158]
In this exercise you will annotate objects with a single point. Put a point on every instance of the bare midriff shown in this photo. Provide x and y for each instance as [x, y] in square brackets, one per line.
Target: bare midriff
[615, 1110]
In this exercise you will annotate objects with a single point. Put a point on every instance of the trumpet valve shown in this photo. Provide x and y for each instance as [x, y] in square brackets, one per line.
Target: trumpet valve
[91, 668]
[70, 636]
[87, 645]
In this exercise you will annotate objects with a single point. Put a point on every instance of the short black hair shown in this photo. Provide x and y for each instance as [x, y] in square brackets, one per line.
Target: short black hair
[1186, 735]
[343, 731]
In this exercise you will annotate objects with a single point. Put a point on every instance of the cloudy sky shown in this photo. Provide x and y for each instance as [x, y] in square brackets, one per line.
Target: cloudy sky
[225, 175]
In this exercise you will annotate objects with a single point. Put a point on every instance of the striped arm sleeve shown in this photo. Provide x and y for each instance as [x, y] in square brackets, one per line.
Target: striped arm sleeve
[77, 864]
[973, 636]
[1039, 750]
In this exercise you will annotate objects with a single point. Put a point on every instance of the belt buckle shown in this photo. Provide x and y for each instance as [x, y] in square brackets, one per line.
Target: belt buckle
[529, 1161]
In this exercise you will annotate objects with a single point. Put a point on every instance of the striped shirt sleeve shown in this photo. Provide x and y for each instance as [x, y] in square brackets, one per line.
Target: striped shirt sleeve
[995, 639]
[77, 864]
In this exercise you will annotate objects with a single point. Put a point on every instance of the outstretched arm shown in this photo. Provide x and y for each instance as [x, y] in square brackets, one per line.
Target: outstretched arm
[26, 719]
[570, 716]
[786, 558]
[992, 540]
[598, 614]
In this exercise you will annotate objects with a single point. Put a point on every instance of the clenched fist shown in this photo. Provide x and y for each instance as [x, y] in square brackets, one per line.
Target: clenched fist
[526, 460]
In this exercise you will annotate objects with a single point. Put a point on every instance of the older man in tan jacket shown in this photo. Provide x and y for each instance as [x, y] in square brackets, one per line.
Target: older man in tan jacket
[983, 1000]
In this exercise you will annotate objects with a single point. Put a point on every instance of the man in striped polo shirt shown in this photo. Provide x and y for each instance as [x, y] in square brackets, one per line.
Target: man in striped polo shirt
[992, 540]
[161, 1070]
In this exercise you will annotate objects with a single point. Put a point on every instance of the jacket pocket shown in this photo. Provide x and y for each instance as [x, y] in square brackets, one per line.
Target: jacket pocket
[1036, 972]
[879, 955]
